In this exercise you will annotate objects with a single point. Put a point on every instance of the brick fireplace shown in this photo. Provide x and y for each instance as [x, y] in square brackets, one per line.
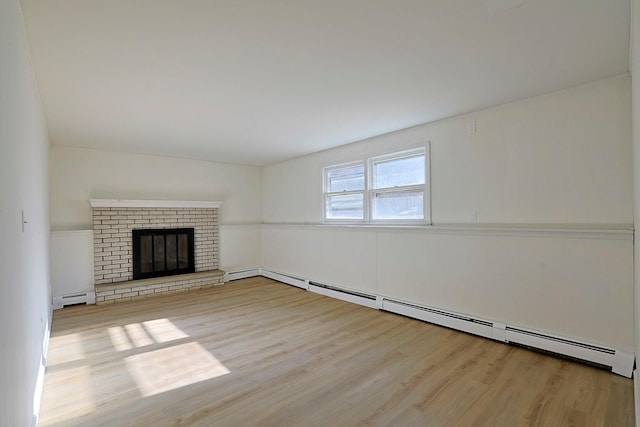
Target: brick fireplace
[113, 225]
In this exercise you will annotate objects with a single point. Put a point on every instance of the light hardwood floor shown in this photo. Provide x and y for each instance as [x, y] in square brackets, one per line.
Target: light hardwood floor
[255, 352]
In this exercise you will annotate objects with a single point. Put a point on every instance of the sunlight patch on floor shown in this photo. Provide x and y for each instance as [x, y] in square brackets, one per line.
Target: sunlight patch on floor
[65, 348]
[174, 367]
[119, 338]
[138, 335]
[76, 401]
[163, 330]
[144, 334]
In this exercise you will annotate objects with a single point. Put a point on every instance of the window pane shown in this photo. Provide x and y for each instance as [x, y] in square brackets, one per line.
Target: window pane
[399, 172]
[345, 179]
[347, 206]
[398, 205]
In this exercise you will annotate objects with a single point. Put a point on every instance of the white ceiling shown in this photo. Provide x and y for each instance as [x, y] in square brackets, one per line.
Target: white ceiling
[255, 82]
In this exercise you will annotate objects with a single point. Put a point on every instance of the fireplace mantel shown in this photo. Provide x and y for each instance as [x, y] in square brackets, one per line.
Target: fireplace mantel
[120, 203]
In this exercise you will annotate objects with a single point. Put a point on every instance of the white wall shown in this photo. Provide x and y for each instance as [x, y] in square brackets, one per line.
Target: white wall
[71, 262]
[562, 158]
[240, 247]
[25, 302]
[80, 174]
[551, 180]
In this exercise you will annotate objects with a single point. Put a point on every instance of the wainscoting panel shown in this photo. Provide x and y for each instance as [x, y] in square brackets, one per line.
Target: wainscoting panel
[572, 283]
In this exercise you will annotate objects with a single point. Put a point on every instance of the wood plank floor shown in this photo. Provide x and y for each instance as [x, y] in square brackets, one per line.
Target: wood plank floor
[255, 352]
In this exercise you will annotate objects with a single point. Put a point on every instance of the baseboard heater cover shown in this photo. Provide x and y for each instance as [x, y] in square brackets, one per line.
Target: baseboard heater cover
[285, 278]
[86, 297]
[241, 274]
[620, 362]
[354, 297]
[440, 317]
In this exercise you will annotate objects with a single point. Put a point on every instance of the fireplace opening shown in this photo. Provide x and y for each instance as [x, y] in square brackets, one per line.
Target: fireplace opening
[162, 252]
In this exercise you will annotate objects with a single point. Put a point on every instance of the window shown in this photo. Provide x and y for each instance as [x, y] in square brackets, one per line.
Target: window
[345, 188]
[398, 187]
[386, 189]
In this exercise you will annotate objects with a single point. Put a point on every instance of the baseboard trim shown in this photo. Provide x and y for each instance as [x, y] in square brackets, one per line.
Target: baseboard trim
[636, 395]
[42, 369]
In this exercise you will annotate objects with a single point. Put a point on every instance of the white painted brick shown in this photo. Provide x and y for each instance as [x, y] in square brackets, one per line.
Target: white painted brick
[204, 221]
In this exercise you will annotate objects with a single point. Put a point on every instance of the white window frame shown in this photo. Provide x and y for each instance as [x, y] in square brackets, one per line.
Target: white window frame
[369, 191]
[423, 188]
[327, 194]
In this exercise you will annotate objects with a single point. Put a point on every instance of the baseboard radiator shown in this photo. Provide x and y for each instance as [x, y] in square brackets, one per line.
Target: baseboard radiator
[285, 278]
[86, 297]
[620, 362]
[354, 297]
[243, 274]
[443, 318]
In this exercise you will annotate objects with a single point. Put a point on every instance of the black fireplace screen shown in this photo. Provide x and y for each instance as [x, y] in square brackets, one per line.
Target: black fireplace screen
[162, 252]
